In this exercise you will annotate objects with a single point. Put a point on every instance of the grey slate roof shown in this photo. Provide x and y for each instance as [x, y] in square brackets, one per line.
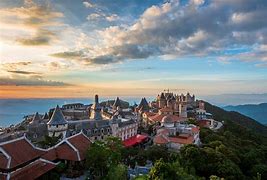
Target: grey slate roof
[57, 117]
[143, 105]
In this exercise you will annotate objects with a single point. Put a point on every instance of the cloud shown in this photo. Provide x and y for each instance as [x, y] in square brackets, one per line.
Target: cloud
[68, 54]
[5, 81]
[194, 29]
[112, 17]
[24, 72]
[88, 4]
[42, 37]
[16, 65]
[102, 16]
[38, 22]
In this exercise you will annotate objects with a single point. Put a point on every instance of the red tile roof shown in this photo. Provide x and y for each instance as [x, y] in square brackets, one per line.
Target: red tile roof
[81, 143]
[159, 117]
[195, 129]
[50, 155]
[20, 151]
[148, 114]
[3, 176]
[163, 138]
[166, 109]
[203, 123]
[3, 161]
[182, 139]
[33, 170]
[73, 148]
[66, 152]
[137, 139]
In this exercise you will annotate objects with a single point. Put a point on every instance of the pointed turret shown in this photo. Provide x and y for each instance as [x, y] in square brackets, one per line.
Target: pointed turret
[46, 116]
[36, 118]
[143, 106]
[117, 103]
[57, 117]
[96, 110]
[57, 125]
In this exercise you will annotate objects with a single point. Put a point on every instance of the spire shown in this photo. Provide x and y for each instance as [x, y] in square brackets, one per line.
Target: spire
[57, 117]
[96, 110]
[96, 99]
[117, 103]
[162, 96]
[143, 105]
[36, 118]
[46, 116]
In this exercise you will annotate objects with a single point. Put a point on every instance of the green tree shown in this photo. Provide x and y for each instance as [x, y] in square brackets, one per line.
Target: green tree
[118, 172]
[170, 171]
[102, 156]
[49, 141]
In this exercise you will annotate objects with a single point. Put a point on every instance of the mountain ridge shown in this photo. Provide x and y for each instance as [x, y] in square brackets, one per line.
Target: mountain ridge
[254, 111]
[220, 114]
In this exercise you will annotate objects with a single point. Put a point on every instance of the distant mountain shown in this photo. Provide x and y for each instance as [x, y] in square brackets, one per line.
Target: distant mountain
[255, 111]
[231, 117]
[235, 99]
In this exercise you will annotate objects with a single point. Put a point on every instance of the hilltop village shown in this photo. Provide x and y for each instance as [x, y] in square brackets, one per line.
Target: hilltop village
[171, 120]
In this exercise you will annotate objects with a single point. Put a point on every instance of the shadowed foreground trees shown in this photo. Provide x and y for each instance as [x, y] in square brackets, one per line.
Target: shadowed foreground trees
[231, 153]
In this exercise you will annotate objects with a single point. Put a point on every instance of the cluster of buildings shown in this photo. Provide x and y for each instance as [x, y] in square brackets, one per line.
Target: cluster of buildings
[169, 115]
[77, 125]
[96, 121]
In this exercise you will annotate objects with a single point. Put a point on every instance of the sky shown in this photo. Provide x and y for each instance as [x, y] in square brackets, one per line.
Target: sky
[67, 48]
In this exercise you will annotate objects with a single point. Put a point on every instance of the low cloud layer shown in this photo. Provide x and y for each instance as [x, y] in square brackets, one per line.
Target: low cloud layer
[6, 81]
[24, 72]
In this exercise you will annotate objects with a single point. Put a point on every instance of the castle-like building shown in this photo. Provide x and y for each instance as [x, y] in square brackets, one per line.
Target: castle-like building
[178, 103]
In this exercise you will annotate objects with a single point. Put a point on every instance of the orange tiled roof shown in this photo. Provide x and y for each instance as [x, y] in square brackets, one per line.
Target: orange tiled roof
[20, 151]
[3, 161]
[162, 138]
[182, 140]
[33, 170]
[81, 143]
[72, 148]
[166, 109]
[3, 176]
[159, 117]
[203, 123]
[195, 129]
[148, 114]
[50, 155]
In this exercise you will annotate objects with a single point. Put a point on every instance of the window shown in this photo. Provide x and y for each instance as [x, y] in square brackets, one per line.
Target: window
[102, 130]
[95, 138]
[95, 131]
